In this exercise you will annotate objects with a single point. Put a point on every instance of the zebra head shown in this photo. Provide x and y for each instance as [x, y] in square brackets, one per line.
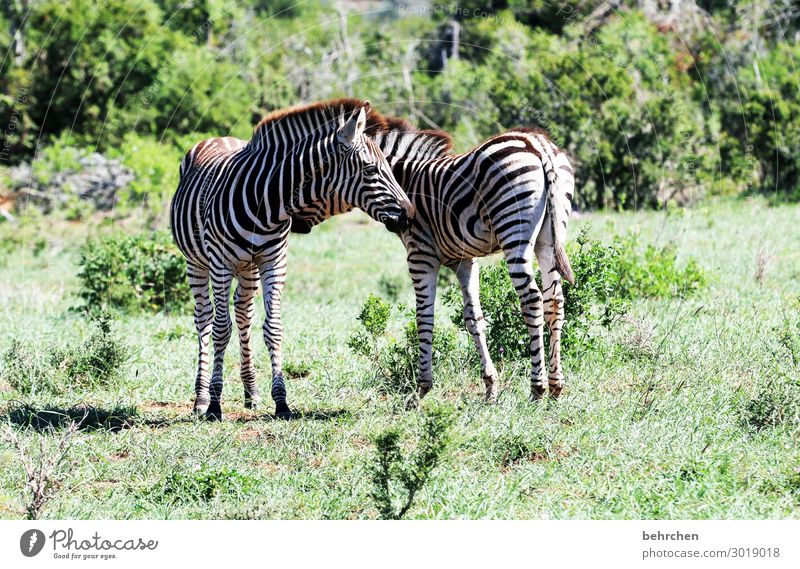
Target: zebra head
[362, 178]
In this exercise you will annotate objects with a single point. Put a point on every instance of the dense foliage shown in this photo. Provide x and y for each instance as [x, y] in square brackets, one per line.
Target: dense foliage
[607, 279]
[132, 273]
[653, 106]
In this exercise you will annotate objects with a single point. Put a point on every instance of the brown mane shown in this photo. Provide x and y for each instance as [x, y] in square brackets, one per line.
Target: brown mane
[331, 110]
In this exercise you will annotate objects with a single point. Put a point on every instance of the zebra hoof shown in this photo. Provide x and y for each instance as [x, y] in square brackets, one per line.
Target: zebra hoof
[556, 389]
[491, 389]
[214, 412]
[282, 411]
[412, 402]
[200, 407]
[252, 402]
[537, 391]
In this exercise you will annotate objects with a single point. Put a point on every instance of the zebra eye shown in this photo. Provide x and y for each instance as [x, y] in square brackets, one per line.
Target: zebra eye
[370, 170]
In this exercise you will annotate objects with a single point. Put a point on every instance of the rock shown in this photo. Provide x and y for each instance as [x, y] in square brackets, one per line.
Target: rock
[98, 181]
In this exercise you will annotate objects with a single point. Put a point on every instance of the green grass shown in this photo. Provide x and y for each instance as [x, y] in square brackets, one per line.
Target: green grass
[669, 431]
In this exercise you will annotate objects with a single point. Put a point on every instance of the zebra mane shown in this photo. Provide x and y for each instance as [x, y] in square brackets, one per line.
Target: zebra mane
[403, 141]
[323, 113]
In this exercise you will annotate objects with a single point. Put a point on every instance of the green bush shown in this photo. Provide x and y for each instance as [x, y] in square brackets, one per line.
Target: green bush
[97, 362]
[654, 271]
[758, 105]
[89, 58]
[395, 357]
[396, 478]
[619, 101]
[155, 165]
[28, 371]
[607, 279]
[133, 273]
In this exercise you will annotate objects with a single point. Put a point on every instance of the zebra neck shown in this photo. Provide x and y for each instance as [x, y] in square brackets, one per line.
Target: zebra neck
[285, 179]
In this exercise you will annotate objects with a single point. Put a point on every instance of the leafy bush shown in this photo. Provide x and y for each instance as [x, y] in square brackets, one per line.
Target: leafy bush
[97, 361]
[89, 78]
[619, 101]
[57, 368]
[654, 272]
[27, 370]
[155, 165]
[133, 273]
[607, 279]
[760, 111]
[396, 478]
[396, 361]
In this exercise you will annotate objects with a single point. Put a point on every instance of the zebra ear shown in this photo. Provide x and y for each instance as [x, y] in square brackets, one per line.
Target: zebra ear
[352, 129]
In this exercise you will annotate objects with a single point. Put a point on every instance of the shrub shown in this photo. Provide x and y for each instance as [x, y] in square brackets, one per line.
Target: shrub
[500, 305]
[654, 272]
[396, 478]
[607, 279]
[27, 370]
[45, 467]
[155, 165]
[396, 360]
[97, 361]
[133, 273]
[55, 369]
[90, 78]
[619, 101]
[758, 106]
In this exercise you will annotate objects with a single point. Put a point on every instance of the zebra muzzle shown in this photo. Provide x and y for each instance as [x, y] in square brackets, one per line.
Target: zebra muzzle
[397, 223]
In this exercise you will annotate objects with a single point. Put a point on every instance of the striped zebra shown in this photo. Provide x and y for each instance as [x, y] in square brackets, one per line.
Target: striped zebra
[231, 216]
[511, 193]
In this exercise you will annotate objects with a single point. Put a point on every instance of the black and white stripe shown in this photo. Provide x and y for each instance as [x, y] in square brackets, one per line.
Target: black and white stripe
[232, 212]
[512, 193]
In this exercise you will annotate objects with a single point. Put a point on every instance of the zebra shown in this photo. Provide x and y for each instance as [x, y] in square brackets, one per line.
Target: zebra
[512, 194]
[231, 216]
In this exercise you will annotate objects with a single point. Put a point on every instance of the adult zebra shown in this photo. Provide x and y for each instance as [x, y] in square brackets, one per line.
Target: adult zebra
[231, 216]
[511, 193]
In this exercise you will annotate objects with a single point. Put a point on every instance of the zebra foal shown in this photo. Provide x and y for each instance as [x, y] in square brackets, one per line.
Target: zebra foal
[511, 194]
[231, 216]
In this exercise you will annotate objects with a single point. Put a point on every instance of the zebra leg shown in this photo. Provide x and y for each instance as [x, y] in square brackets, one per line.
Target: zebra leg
[520, 268]
[203, 315]
[244, 307]
[221, 285]
[273, 277]
[423, 274]
[468, 277]
[553, 312]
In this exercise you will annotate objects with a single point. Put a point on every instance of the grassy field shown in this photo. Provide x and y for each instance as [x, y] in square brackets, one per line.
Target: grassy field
[669, 434]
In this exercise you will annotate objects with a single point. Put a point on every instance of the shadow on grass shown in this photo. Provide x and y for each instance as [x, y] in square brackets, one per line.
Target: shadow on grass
[87, 417]
[320, 415]
[90, 418]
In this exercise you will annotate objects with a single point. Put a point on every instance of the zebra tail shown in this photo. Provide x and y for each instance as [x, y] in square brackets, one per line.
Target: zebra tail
[558, 215]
